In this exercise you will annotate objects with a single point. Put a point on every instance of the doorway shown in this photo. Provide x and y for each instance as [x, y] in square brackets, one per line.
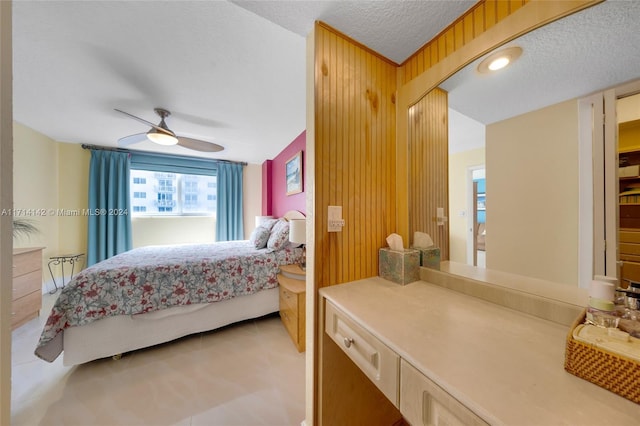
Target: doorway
[476, 220]
[628, 179]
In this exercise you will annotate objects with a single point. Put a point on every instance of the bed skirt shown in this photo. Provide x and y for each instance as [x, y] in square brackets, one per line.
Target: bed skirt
[117, 335]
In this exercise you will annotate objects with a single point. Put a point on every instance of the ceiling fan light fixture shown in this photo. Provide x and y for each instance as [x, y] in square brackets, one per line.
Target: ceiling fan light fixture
[499, 60]
[161, 138]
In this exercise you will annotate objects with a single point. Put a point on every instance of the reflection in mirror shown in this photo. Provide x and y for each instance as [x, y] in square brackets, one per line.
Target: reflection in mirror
[522, 124]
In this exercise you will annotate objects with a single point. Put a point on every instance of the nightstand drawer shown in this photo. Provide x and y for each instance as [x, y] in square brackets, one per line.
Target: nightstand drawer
[287, 298]
[290, 319]
[379, 363]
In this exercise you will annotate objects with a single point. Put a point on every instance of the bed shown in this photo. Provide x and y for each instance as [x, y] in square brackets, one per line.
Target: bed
[152, 295]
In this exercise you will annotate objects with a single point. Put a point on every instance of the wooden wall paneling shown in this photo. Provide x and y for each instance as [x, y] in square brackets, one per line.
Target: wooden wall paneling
[355, 155]
[428, 184]
[502, 10]
[477, 20]
[322, 149]
[467, 22]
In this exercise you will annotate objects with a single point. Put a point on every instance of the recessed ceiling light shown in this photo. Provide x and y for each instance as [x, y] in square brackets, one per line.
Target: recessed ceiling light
[499, 59]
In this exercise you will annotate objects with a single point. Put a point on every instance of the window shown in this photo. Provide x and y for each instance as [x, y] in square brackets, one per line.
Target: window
[160, 193]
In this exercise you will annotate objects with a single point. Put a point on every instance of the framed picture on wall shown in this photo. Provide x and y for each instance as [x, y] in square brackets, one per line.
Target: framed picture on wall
[293, 172]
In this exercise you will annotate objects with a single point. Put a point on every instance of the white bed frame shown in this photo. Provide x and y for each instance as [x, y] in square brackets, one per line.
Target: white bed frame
[113, 336]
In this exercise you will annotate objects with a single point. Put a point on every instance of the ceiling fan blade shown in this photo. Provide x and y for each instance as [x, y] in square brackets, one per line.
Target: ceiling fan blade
[198, 145]
[132, 139]
[142, 120]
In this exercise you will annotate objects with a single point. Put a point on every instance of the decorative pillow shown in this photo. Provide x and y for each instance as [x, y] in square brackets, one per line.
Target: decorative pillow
[279, 238]
[268, 223]
[259, 237]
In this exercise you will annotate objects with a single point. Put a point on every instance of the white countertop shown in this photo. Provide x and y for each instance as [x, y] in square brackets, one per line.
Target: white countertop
[506, 366]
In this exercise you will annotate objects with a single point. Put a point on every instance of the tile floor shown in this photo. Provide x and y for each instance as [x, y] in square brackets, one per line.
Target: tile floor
[245, 374]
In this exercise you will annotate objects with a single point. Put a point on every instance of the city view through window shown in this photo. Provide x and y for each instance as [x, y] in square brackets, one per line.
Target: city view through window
[159, 193]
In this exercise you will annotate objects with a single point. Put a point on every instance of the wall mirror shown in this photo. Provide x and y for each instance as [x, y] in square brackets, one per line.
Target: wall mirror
[522, 126]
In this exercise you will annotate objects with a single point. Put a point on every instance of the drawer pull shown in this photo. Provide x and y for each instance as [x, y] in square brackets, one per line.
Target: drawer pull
[348, 341]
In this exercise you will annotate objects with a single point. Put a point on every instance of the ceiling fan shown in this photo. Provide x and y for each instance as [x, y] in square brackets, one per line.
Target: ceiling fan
[162, 135]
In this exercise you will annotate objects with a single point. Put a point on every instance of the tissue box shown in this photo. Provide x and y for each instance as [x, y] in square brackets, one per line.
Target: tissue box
[402, 267]
[430, 257]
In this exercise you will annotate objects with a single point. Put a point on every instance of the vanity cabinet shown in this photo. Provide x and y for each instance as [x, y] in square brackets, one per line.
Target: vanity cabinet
[421, 354]
[419, 400]
[422, 402]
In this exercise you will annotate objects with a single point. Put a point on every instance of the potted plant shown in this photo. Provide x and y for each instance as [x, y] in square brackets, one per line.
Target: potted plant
[24, 227]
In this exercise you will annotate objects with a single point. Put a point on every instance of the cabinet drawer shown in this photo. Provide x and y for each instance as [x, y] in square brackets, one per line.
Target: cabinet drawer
[288, 298]
[27, 283]
[25, 308]
[26, 262]
[422, 402]
[290, 320]
[629, 236]
[630, 271]
[379, 363]
[628, 248]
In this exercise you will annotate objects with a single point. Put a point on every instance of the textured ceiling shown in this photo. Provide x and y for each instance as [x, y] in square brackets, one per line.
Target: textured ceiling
[234, 72]
[591, 50]
[395, 29]
[228, 74]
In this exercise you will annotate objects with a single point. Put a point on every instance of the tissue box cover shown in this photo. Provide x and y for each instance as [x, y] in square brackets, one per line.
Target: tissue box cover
[430, 257]
[402, 267]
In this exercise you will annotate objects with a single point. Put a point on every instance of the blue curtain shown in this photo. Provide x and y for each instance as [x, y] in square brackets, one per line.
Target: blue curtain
[109, 205]
[229, 204]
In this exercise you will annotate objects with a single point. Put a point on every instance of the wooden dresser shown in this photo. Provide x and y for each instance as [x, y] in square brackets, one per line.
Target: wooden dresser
[27, 285]
[292, 280]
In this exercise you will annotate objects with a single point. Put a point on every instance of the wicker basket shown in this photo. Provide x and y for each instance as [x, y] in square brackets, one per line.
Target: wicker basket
[617, 373]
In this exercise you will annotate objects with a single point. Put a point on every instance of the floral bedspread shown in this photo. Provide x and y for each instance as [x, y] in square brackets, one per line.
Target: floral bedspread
[156, 277]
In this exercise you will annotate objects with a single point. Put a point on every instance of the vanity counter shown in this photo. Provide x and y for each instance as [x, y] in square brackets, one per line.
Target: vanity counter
[505, 366]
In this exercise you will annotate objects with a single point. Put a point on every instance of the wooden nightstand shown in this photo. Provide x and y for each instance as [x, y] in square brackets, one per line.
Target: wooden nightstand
[292, 282]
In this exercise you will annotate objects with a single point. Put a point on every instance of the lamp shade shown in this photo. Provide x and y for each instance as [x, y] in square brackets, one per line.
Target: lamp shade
[260, 219]
[161, 138]
[298, 231]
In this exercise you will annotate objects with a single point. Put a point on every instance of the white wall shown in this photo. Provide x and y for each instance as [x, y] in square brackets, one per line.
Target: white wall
[459, 164]
[532, 194]
[35, 189]
[466, 149]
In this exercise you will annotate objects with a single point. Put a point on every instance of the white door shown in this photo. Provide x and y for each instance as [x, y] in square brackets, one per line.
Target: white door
[598, 187]
[599, 209]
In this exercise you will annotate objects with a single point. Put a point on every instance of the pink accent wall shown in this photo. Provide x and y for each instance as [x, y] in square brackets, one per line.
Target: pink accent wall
[278, 202]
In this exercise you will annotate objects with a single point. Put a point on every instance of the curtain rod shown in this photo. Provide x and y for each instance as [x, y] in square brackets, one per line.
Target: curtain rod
[106, 148]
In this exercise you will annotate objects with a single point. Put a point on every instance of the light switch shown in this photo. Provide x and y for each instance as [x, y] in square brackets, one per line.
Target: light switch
[335, 222]
[440, 217]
